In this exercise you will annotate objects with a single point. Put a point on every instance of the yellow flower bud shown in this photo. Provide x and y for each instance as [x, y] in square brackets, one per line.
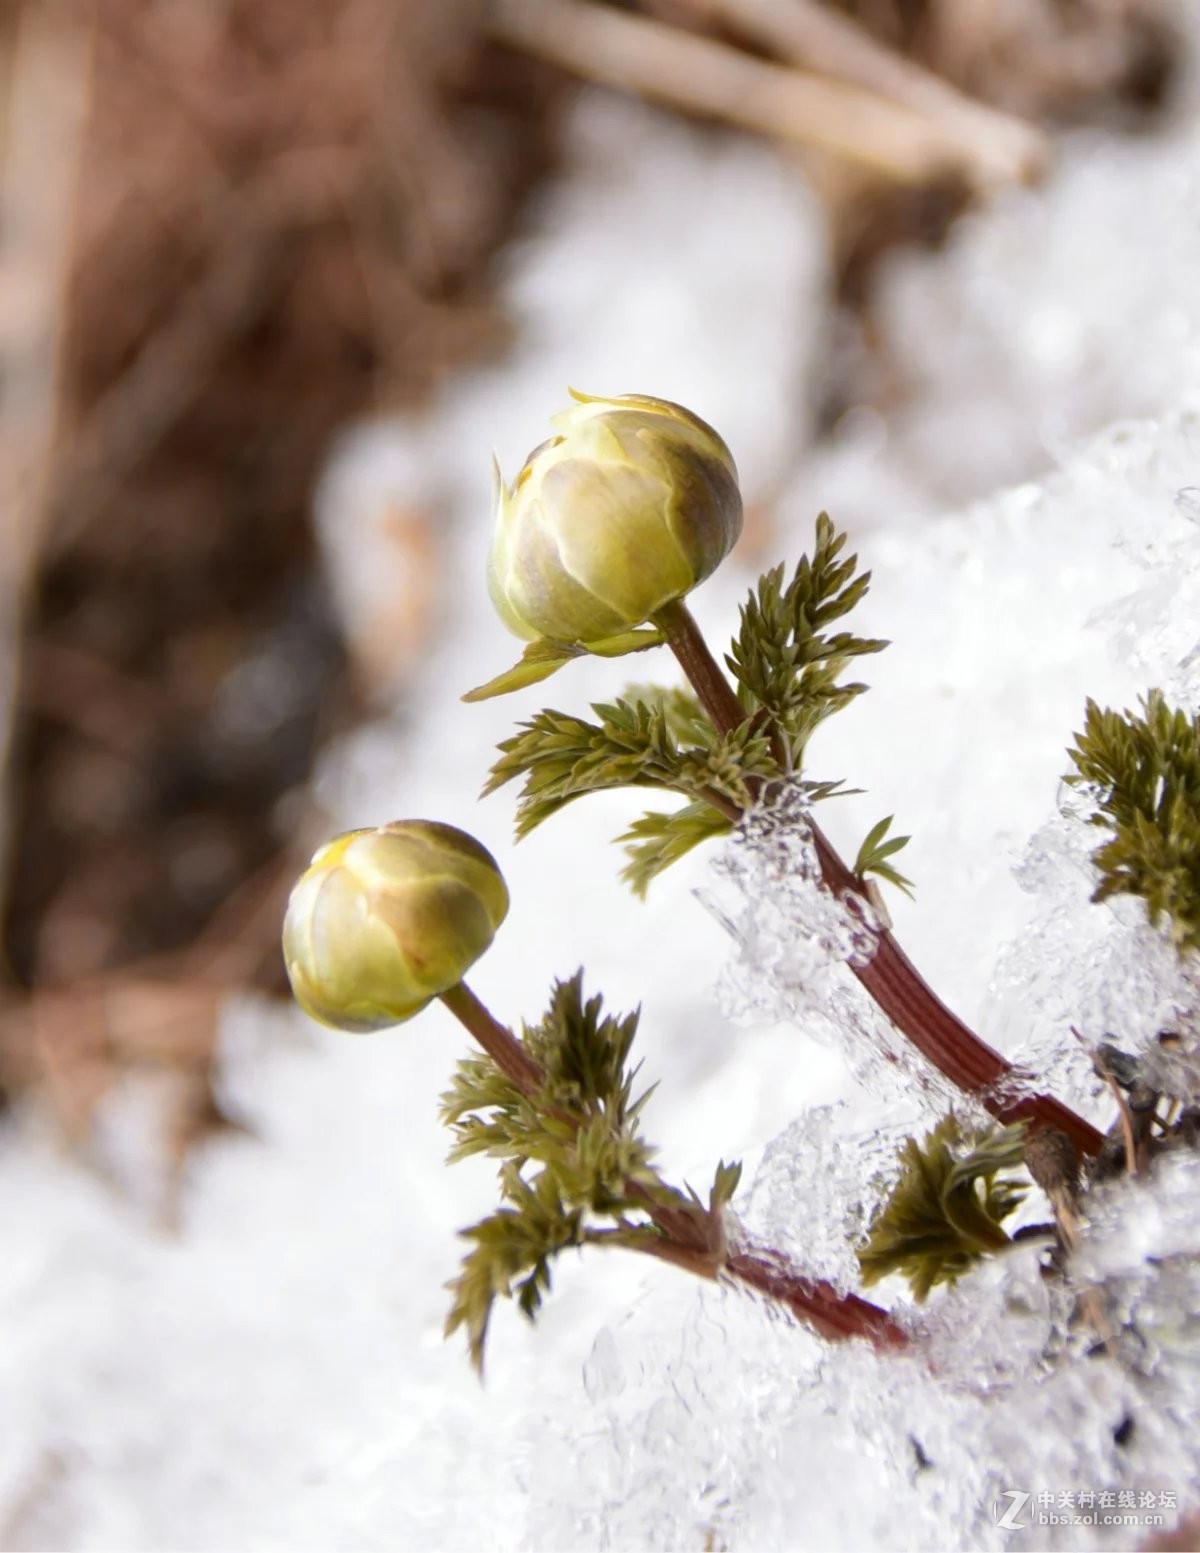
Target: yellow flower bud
[384, 920]
[632, 504]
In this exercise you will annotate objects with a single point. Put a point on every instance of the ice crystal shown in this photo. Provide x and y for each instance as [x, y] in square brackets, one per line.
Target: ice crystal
[604, 1372]
[1081, 974]
[818, 1188]
[1007, 1391]
[785, 919]
[796, 947]
[1156, 625]
[1027, 359]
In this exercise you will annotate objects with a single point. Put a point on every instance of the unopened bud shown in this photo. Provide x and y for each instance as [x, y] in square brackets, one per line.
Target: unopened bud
[384, 920]
[627, 508]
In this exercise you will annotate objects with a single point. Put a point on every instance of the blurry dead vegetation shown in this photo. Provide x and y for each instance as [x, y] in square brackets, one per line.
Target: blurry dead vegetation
[902, 111]
[230, 227]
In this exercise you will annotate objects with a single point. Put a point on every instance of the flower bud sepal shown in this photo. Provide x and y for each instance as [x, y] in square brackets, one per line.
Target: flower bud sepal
[544, 657]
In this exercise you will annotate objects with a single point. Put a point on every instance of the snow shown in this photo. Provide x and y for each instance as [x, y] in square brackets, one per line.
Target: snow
[274, 1376]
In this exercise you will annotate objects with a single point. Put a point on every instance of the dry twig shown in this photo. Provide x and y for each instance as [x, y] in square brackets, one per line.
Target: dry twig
[1001, 147]
[701, 76]
[40, 136]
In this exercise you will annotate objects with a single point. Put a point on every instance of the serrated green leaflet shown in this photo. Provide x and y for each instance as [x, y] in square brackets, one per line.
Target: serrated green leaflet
[511, 1254]
[947, 1208]
[875, 851]
[574, 1167]
[656, 841]
[785, 661]
[632, 744]
[1142, 771]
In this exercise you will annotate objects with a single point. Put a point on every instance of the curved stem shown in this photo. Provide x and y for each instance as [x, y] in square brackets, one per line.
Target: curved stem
[496, 1039]
[714, 692]
[818, 1304]
[717, 801]
[889, 976]
[683, 1243]
[833, 1315]
[940, 1035]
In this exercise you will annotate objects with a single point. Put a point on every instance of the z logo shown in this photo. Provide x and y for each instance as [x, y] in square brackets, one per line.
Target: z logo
[1018, 1499]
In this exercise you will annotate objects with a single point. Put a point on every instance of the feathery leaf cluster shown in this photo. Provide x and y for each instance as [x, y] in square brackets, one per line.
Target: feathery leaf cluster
[571, 1154]
[634, 743]
[656, 840]
[511, 1254]
[1143, 773]
[786, 663]
[946, 1210]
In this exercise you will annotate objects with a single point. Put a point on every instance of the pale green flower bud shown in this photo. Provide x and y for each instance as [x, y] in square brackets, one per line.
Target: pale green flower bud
[632, 504]
[384, 920]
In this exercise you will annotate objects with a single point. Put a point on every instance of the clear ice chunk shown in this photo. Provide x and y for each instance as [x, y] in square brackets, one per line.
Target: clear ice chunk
[817, 1190]
[797, 945]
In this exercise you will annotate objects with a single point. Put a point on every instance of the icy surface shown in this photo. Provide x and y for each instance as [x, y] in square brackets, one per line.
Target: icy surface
[1078, 977]
[818, 1187]
[737, 1427]
[275, 1376]
[797, 945]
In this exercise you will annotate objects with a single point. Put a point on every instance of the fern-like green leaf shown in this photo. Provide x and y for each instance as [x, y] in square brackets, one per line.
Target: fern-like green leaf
[686, 720]
[947, 1208]
[655, 841]
[633, 744]
[571, 1155]
[787, 662]
[1141, 771]
[511, 1253]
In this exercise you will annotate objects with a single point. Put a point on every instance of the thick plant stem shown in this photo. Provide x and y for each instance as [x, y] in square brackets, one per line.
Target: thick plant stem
[889, 976]
[683, 636]
[829, 1313]
[832, 1315]
[951, 1046]
[496, 1039]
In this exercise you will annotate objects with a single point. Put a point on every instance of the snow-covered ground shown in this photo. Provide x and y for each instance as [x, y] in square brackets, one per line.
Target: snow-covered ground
[275, 1376]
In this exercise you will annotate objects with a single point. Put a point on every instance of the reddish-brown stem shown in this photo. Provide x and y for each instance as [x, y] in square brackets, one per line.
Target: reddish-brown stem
[829, 1313]
[818, 1304]
[714, 692]
[889, 976]
[496, 1039]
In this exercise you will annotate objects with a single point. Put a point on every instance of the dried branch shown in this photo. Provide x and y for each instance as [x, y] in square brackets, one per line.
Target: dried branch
[1002, 147]
[41, 127]
[701, 76]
